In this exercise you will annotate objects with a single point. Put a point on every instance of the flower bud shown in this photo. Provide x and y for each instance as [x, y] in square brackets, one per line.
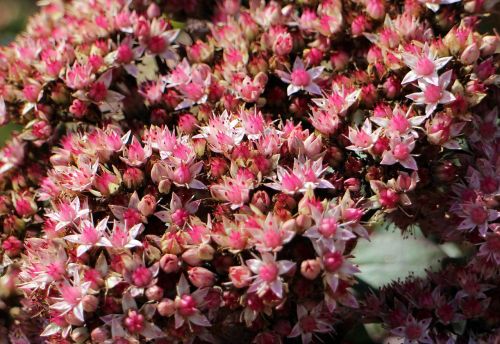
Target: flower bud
[310, 269]
[490, 45]
[218, 166]
[166, 307]
[240, 276]
[99, 334]
[71, 319]
[206, 252]
[169, 263]
[90, 303]
[261, 200]
[80, 334]
[375, 8]
[470, 54]
[201, 277]
[154, 293]
[133, 177]
[164, 186]
[187, 123]
[339, 60]
[303, 221]
[283, 44]
[12, 246]
[153, 10]
[147, 205]
[191, 257]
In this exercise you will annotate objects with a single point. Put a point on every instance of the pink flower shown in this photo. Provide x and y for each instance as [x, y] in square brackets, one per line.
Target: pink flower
[335, 265]
[223, 132]
[135, 154]
[327, 229]
[133, 322]
[234, 190]
[187, 305]
[179, 211]
[71, 299]
[300, 78]
[122, 237]
[88, 236]
[432, 95]
[424, 66]
[68, 213]
[364, 138]
[400, 151]
[306, 174]
[270, 234]
[268, 272]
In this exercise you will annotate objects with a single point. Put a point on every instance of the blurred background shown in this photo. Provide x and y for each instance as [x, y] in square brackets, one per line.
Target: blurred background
[13, 17]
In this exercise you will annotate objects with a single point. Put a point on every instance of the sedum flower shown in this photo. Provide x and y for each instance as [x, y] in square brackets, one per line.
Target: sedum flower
[433, 95]
[301, 78]
[267, 274]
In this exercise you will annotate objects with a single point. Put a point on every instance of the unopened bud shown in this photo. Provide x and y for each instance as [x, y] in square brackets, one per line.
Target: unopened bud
[470, 54]
[147, 205]
[310, 269]
[201, 277]
[169, 263]
[154, 293]
[80, 334]
[90, 303]
[166, 307]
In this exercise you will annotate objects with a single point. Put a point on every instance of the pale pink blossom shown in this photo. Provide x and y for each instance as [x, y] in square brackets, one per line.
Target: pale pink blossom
[268, 272]
[301, 78]
[424, 66]
[88, 235]
[400, 152]
[305, 174]
[433, 95]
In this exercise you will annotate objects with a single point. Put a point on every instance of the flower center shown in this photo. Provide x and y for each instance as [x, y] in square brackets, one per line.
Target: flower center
[432, 94]
[401, 151]
[301, 78]
[478, 215]
[269, 272]
[413, 332]
[328, 227]
[333, 261]
[424, 66]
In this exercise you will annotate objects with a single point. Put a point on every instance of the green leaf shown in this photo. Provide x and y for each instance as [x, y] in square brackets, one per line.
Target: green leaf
[6, 132]
[389, 256]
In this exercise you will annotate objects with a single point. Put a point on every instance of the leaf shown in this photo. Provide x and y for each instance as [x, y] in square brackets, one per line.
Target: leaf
[6, 131]
[390, 256]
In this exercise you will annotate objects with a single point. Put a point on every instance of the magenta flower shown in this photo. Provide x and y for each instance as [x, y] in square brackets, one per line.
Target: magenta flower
[301, 79]
[432, 95]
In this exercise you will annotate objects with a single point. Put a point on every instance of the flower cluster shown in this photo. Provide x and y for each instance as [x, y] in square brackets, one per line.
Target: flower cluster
[200, 171]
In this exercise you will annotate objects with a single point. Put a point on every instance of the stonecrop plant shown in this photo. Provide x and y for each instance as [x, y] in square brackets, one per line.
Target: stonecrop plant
[195, 171]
